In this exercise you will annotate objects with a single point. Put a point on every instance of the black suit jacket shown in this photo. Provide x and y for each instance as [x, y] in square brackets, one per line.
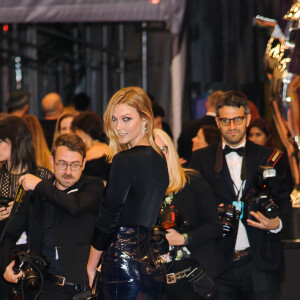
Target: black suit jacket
[196, 202]
[189, 131]
[265, 246]
[76, 209]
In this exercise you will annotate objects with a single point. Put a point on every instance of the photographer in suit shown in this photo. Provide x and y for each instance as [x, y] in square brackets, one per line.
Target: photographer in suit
[59, 217]
[251, 255]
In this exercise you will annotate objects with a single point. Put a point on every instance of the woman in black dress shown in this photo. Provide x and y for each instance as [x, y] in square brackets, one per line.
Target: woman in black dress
[137, 183]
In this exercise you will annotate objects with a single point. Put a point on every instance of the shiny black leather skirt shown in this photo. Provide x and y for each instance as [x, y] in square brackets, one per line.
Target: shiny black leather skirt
[130, 269]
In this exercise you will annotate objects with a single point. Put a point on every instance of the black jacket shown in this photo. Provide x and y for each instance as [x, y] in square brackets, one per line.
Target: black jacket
[196, 202]
[76, 209]
[265, 246]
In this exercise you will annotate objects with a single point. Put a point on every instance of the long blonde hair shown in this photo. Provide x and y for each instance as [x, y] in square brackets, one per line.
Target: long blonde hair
[178, 176]
[138, 99]
[42, 151]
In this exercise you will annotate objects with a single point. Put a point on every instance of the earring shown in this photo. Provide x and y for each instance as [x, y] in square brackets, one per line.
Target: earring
[144, 130]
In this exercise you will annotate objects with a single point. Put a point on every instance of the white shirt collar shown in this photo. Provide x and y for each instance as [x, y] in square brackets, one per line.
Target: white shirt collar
[243, 144]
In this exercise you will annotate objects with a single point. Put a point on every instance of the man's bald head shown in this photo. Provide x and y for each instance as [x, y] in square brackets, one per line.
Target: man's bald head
[52, 106]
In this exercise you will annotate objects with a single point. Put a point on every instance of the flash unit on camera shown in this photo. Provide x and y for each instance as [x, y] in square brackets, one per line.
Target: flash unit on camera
[267, 171]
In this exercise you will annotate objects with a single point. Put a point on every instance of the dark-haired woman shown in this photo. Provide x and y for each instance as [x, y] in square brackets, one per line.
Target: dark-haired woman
[259, 132]
[17, 155]
[89, 127]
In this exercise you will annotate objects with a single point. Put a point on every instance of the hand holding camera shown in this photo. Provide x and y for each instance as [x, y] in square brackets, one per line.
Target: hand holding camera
[10, 275]
[263, 221]
[174, 237]
[260, 206]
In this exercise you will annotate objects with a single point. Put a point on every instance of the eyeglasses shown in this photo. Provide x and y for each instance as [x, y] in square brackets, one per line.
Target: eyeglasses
[62, 165]
[236, 121]
[164, 149]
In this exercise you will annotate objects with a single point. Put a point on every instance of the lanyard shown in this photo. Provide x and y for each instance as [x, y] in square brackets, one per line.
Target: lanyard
[238, 191]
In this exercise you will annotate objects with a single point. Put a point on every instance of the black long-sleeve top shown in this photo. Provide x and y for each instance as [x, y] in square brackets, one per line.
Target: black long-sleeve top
[136, 186]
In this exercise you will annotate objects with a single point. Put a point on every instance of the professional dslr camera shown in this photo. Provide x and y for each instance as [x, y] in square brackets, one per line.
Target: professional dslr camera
[33, 267]
[169, 217]
[261, 200]
[229, 217]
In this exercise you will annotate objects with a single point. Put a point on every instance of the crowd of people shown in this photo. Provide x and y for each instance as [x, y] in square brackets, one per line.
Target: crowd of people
[79, 195]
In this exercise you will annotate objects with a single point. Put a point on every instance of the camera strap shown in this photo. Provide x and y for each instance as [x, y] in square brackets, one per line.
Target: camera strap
[274, 158]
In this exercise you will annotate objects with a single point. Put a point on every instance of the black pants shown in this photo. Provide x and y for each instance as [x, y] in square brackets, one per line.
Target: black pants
[244, 281]
[5, 288]
[130, 269]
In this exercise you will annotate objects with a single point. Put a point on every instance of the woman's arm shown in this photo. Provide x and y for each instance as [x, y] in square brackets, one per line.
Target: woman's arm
[93, 261]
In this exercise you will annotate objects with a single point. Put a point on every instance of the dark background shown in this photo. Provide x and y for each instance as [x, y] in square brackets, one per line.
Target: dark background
[225, 51]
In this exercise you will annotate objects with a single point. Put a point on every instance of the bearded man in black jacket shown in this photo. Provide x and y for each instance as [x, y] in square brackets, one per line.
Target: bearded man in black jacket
[59, 217]
[251, 256]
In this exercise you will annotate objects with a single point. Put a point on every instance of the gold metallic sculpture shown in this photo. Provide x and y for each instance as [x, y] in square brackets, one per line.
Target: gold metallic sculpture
[284, 76]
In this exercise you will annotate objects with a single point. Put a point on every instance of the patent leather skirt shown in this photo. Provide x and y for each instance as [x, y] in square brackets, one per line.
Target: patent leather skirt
[130, 269]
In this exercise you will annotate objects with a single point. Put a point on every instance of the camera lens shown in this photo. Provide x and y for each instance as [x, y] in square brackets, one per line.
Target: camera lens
[32, 280]
[270, 210]
[227, 228]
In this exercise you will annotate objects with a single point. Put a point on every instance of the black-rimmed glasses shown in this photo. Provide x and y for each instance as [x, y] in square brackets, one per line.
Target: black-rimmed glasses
[236, 121]
[62, 165]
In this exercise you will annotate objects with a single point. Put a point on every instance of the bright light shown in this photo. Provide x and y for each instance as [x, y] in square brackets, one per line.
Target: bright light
[154, 1]
[5, 27]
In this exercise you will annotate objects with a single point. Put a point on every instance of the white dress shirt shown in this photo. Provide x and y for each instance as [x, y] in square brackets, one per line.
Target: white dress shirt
[234, 163]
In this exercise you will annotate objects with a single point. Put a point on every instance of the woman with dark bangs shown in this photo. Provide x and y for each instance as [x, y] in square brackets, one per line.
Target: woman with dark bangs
[17, 155]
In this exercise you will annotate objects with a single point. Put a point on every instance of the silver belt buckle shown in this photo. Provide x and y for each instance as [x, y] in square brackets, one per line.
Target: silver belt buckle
[171, 278]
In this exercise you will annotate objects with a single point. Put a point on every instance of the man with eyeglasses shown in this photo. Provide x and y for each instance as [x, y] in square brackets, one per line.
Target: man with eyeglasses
[250, 254]
[59, 219]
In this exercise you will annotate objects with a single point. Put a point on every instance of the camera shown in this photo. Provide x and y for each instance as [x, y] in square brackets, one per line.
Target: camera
[229, 217]
[169, 217]
[261, 200]
[33, 266]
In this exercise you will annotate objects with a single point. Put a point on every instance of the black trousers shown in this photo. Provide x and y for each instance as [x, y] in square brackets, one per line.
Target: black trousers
[5, 288]
[245, 281]
[130, 269]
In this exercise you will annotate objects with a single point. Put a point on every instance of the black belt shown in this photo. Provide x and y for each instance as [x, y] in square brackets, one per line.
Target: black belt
[62, 281]
[238, 254]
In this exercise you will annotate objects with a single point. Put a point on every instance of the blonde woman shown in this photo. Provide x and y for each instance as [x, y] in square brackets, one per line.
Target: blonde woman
[192, 235]
[137, 182]
[42, 152]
